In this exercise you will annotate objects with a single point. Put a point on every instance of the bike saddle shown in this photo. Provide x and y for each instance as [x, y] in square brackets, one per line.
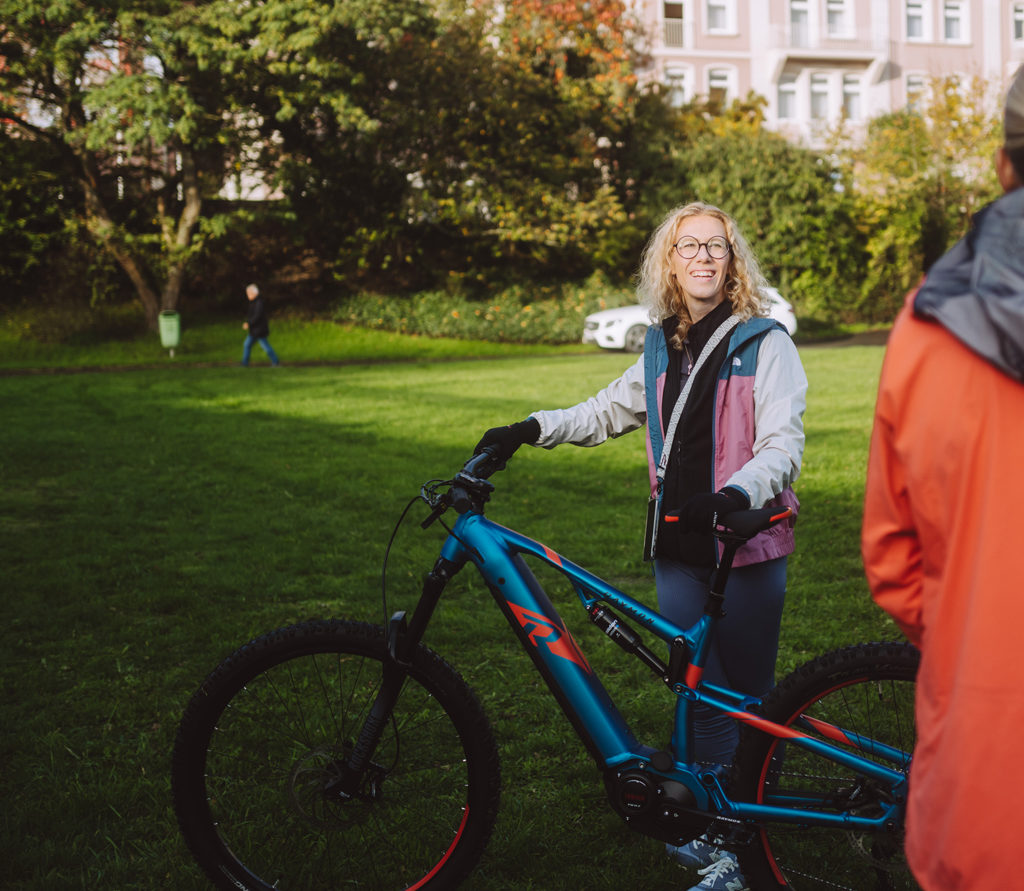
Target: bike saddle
[745, 524]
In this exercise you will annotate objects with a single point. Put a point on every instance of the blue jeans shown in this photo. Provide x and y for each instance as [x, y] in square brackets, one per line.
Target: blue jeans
[746, 641]
[263, 342]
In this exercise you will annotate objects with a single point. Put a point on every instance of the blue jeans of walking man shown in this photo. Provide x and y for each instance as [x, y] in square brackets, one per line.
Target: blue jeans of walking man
[263, 342]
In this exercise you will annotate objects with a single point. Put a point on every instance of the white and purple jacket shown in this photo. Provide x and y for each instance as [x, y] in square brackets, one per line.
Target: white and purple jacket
[760, 399]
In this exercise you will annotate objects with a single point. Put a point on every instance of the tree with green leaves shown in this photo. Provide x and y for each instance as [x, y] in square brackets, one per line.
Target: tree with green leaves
[454, 143]
[31, 226]
[919, 176]
[792, 206]
[791, 203]
[134, 100]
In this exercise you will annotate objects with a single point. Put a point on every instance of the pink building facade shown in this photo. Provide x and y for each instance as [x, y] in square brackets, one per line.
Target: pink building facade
[819, 61]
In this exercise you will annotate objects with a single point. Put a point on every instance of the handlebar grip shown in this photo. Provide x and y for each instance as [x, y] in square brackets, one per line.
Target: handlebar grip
[483, 463]
[745, 524]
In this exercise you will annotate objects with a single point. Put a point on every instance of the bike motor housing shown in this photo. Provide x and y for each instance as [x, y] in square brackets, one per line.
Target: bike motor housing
[654, 805]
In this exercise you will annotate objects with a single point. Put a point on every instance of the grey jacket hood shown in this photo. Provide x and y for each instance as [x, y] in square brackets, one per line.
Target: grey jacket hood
[976, 290]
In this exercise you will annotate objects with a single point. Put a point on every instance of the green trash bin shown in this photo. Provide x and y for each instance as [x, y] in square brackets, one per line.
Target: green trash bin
[170, 329]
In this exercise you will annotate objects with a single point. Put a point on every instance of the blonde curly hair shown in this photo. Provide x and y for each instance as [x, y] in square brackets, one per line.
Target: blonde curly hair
[659, 291]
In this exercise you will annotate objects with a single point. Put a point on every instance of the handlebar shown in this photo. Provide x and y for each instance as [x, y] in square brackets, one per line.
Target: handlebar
[482, 464]
[743, 525]
[468, 490]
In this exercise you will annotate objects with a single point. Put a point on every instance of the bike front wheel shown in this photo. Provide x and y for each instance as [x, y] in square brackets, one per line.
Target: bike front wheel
[270, 730]
[865, 690]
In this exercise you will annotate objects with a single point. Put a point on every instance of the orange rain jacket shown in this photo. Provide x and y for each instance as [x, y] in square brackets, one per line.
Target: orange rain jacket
[943, 546]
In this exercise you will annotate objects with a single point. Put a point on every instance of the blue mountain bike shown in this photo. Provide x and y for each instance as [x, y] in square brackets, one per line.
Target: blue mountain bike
[335, 754]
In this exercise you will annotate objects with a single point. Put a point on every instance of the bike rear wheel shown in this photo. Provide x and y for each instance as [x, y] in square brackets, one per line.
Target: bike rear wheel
[866, 689]
[272, 726]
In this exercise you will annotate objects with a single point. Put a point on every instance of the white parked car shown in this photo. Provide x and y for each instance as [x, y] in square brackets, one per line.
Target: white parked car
[625, 328]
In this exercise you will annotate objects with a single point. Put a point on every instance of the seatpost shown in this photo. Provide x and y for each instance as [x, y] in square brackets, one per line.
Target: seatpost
[716, 592]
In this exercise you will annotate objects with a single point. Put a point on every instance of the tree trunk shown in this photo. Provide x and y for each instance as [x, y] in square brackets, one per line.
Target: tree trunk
[177, 239]
[103, 228]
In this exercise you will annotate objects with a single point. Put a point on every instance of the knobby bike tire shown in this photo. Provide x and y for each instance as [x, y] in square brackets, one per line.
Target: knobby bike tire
[867, 689]
[270, 727]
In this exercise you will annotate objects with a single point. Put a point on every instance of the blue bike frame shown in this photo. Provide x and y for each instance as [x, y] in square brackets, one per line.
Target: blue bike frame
[498, 553]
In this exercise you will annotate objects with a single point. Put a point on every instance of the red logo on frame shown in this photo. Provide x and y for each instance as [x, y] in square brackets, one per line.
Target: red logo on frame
[542, 630]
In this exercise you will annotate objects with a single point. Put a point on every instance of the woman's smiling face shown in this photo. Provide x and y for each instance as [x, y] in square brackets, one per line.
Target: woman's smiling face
[702, 278]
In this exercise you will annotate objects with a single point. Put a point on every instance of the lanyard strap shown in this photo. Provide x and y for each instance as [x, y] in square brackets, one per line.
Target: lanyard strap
[720, 332]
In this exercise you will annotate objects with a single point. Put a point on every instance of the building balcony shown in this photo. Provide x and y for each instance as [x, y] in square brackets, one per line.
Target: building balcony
[801, 43]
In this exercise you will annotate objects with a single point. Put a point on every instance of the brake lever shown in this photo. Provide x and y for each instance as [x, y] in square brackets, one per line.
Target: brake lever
[435, 514]
[438, 503]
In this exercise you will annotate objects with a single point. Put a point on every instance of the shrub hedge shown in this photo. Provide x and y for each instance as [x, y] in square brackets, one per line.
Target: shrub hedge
[519, 314]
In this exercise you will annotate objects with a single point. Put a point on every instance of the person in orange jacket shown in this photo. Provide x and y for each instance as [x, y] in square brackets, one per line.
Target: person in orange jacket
[942, 536]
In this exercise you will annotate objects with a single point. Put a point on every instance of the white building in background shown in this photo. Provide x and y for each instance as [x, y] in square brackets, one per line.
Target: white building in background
[816, 61]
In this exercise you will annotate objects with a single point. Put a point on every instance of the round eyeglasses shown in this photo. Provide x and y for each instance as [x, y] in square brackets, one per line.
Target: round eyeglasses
[688, 248]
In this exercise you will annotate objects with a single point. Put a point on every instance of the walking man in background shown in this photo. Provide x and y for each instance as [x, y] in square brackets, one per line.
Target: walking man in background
[942, 535]
[257, 327]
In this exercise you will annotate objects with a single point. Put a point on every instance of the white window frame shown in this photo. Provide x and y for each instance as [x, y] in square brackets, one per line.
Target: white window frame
[956, 11]
[915, 85]
[819, 89]
[727, 74]
[846, 28]
[729, 27]
[920, 10]
[680, 27]
[787, 87]
[853, 89]
[799, 39]
[678, 81]
[1017, 24]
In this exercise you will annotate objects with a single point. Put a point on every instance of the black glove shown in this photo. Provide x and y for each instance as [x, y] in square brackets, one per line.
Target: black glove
[700, 512]
[508, 439]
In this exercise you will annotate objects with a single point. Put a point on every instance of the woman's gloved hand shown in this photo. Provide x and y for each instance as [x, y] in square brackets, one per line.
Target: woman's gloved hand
[508, 439]
[699, 513]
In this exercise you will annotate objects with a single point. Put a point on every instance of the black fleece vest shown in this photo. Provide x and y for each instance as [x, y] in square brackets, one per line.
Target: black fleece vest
[690, 464]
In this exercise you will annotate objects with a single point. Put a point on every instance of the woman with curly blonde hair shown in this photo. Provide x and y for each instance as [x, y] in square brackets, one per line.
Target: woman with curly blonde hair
[721, 392]
[660, 291]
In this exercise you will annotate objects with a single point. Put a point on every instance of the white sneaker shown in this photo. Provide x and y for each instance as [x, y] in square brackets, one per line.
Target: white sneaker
[699, 852]
[722, 875]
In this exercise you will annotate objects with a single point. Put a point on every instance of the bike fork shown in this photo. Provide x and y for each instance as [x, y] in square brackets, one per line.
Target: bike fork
[402, 639]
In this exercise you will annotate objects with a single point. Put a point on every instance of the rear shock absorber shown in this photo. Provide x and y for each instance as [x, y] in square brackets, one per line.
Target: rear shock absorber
[625, 637]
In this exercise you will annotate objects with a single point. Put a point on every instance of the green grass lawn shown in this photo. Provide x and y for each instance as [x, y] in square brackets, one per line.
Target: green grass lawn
[155, 519]
[210, 341]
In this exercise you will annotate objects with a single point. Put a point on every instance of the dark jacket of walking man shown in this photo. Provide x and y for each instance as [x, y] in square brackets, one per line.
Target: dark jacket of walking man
[257, 327]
